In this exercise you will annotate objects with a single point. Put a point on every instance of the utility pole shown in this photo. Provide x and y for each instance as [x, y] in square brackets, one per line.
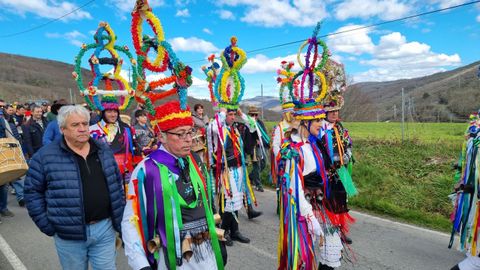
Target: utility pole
[395, 111]
[403, 115]
[261, 92]
[71, 95]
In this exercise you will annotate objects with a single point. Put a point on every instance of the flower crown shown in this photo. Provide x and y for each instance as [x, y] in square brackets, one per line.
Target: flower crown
[230, 85]
[181, 75]
[307, 101]
[105, 41]
[212, 72]
[336, 84]
[283, 92]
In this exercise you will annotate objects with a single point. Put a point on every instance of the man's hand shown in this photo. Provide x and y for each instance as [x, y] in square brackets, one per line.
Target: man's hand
[239, 112]
[223, 110]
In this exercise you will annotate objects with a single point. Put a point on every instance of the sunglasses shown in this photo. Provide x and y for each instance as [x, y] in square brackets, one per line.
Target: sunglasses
[254, 114]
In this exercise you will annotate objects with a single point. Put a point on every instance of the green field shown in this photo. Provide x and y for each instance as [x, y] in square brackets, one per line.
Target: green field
[409, 181]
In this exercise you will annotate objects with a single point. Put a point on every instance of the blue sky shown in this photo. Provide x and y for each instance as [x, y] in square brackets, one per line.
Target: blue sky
[407, 49]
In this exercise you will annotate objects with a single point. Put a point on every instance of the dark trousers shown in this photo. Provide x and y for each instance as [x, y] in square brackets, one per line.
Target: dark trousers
[257, 167]
[229, 223]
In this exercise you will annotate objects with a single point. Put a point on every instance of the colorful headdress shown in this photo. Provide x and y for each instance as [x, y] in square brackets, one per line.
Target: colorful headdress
[337, 85]
[170, 115]
[212, 72]
[307, 100]
[181, 75]
[230, 85]
[283, 92]
[105, 40]
[109, 103]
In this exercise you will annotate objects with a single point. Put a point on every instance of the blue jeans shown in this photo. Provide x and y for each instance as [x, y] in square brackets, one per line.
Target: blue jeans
[18, 187]
[99, 248]
[3, 197]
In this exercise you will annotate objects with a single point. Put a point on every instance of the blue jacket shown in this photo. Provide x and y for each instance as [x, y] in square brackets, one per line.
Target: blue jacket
[3, 129]
[53, 190]
[52, 133]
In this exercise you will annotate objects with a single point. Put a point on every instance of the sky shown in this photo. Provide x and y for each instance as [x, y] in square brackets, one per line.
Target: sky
[196, 29]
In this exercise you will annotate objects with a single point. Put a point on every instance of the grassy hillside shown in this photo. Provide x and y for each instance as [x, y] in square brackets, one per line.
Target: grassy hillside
[409, 181]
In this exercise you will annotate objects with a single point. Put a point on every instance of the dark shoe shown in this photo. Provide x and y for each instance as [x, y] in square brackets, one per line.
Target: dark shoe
[228, 239]
[252, 213]
[455, 267]
[240, 238]
[260, 188]
[348, 240]
[6, 213]
[21, 203]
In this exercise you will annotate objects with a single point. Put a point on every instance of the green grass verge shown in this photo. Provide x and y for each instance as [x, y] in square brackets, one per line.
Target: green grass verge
[407, 181]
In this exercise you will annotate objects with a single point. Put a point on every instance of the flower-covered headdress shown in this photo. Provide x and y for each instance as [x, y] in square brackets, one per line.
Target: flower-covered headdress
[285, 76]
[312, 88]
[181, 75]
[170, 115]
[212, 71]
[337, 85]
[105, 41]
[230, 86]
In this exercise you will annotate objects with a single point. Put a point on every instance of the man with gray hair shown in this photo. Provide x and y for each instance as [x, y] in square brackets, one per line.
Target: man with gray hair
[73, 192]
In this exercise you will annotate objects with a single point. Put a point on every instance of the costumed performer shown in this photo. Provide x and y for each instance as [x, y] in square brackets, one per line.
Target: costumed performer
[465, 198]
[168, 221]
[225, 146]
[303, 179]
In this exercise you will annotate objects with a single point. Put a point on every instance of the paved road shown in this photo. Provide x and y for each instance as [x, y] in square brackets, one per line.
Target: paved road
[378, 244]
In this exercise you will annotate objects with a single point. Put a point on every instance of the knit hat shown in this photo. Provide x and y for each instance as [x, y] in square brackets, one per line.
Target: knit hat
[170, 115]
[109, 102]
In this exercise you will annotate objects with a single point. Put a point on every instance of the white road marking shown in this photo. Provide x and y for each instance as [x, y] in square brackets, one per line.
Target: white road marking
[10, 255]
[257, 250]
[390, 221]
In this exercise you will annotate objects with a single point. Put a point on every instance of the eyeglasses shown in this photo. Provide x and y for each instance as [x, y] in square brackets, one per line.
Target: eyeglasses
[253, 114]
[182, 136]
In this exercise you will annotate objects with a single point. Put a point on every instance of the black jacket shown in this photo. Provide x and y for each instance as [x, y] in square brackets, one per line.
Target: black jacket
[32, 136]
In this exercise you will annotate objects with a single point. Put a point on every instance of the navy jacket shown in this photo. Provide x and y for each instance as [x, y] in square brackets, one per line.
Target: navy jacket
[3, 129]
[53, 190]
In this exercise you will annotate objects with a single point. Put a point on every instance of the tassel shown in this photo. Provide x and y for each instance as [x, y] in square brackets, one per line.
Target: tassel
[347, 182]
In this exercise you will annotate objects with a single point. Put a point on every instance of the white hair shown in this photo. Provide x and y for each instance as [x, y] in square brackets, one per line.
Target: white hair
[67, 110]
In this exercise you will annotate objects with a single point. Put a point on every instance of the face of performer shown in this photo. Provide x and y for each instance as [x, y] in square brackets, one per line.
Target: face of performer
[332, 116]
[10, 110]
[178, 141]
[111, 116]
[230, 117]
[76, 130]
[315, 126]
[142, 119]
[199, 111]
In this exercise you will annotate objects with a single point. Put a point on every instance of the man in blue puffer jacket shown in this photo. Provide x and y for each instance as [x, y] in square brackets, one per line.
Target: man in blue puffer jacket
[74, 192]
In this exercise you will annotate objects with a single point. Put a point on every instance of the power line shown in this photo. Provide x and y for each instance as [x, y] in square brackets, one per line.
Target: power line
[48, 22]
[356, 29]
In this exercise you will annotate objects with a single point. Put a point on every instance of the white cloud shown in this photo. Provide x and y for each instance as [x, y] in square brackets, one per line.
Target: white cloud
[448, 3]
[277, 13]
[355, 42]
[365, 9]
[208, 31]
[261, 63]
[74, 37]
[126, 6]
[192, 44]
[226, 14]
[45, 9]
[478, 18]
[395, 58]
[182, 13]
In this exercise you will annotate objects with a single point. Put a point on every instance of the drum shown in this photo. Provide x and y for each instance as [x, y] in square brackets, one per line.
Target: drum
[198, 141]
[12, 161]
